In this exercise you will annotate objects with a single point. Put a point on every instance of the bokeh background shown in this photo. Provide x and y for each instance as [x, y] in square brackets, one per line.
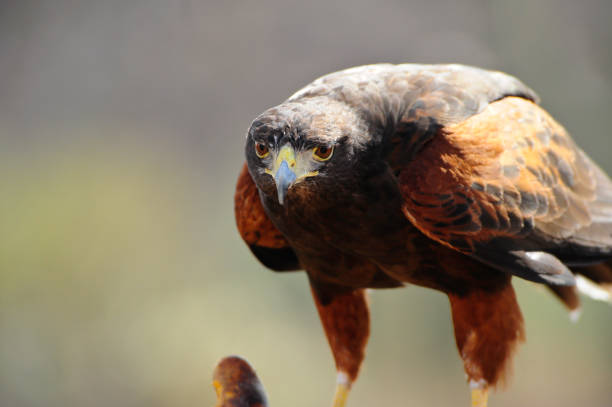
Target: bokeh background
[122, 277]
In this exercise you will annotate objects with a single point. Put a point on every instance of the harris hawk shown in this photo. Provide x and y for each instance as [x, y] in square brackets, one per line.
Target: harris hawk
[443, 176]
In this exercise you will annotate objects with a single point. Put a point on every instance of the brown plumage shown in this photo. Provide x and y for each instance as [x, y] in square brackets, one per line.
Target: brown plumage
[237, 385]
[444, 176]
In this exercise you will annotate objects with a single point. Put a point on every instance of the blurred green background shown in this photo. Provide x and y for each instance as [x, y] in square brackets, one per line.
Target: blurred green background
[122, 277]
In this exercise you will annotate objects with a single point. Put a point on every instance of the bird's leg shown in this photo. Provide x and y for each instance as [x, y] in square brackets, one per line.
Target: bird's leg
[480, 393]
[346, 321]
[488, 325]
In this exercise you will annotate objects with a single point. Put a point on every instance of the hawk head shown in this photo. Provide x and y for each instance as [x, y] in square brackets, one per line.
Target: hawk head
[309, 145]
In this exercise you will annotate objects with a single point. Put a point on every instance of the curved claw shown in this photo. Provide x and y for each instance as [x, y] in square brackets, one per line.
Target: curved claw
[237, 384]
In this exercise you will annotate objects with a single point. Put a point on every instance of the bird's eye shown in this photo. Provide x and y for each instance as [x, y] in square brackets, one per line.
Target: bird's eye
[322, 153]
[261, 150]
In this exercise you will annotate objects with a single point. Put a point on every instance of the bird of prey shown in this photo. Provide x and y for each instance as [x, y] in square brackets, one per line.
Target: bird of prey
[443, 176]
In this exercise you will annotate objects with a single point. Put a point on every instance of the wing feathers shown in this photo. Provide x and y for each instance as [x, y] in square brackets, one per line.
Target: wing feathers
[263, 238]
[539, 267]
[508, 186]
[597, 281]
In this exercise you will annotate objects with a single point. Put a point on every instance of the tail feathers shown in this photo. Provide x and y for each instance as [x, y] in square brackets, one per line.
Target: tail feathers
[568, 295]
[595, 281]
[601, 292]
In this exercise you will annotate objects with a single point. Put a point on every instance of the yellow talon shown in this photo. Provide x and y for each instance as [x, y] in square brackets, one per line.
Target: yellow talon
[342, 391]
[479, 397]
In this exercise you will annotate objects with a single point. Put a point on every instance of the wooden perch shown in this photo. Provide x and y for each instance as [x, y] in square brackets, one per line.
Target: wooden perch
[237, 384]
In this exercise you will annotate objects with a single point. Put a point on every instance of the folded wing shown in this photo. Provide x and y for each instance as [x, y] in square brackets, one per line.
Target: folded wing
[259, 233]
[508, 186]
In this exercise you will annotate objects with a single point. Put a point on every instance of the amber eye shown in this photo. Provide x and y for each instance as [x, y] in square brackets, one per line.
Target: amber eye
[261, 150]
[322, 153]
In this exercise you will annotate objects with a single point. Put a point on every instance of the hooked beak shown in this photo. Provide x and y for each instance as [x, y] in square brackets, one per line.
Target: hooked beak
[287, 171]
[284, 173]
[284, 178]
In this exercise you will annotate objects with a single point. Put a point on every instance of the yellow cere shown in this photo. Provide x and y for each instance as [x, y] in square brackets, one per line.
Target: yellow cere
[285, 154]
[300, 166]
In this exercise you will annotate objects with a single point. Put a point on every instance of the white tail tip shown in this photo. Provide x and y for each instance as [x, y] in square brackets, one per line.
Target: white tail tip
[592, 290]
[575, 314]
